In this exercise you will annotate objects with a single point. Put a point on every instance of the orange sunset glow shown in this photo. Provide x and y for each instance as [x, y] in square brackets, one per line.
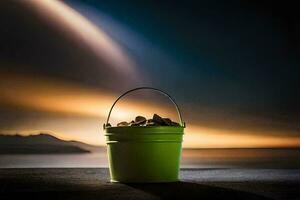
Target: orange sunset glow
[62, 98]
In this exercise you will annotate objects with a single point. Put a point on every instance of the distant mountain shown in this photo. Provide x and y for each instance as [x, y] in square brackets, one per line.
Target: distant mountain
[42, 144]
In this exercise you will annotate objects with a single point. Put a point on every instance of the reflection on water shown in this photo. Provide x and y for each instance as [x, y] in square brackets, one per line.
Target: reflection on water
[194, 158]
[241, 158]
[96, 159]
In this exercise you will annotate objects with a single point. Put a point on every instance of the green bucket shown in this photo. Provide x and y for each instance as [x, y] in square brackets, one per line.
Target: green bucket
[142, 154]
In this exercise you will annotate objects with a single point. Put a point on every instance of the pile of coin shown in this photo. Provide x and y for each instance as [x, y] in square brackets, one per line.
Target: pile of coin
[156, 120]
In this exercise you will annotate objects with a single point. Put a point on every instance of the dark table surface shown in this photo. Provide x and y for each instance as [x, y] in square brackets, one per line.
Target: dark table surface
[93, 183]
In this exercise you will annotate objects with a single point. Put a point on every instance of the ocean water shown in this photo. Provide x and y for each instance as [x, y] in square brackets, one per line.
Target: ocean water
[193, 158]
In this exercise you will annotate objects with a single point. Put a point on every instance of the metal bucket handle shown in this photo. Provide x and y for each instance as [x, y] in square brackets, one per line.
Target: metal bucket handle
[146, 88]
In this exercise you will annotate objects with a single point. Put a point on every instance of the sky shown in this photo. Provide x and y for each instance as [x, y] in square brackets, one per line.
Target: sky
[231, 67]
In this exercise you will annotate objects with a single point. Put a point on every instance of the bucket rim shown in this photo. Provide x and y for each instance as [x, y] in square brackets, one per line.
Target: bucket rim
[145, 130]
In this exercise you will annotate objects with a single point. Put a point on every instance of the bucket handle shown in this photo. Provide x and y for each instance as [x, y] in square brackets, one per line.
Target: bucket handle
[146, 88]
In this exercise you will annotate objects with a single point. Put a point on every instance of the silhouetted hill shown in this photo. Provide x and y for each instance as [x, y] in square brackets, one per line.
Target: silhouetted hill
[41, 144]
